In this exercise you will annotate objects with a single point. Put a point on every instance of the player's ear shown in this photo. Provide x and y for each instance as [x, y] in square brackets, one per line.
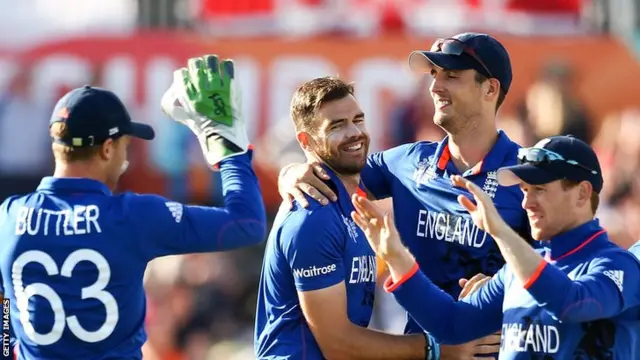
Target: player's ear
[107, 149]
[584, 193]
[304, 139]
[493, 88]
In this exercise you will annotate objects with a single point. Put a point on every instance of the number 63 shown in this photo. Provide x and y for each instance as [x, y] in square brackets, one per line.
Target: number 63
[94, 291]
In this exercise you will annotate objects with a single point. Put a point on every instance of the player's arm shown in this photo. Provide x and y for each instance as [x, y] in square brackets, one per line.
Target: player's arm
[377, 176]
[173, 228]
[601, 293]
[318, 243]
[325, 311]
[592, 296]
[609, 287]
[205, 97]
[295, 180]
[447, 320]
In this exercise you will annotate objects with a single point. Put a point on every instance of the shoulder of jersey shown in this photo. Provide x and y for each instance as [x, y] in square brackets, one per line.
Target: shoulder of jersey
[422, 148]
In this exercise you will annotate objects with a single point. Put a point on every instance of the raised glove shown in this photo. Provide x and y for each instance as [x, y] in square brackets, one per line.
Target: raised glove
[206, 98]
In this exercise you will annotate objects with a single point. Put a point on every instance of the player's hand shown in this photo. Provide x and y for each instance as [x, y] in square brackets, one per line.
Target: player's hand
[472, 285]
[206, 98]
[487, 345]
[483, 211]
[379, 229]
[296, 180]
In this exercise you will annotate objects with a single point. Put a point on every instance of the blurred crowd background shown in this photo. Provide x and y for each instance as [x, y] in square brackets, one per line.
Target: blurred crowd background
[575, 72]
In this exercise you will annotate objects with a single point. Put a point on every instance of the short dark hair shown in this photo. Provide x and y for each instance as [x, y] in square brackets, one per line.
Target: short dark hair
[480, 79]
[67, 153]
[595, 198]
[311, 95]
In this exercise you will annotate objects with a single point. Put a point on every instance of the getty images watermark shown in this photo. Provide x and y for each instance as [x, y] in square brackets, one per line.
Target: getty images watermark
[6, 327]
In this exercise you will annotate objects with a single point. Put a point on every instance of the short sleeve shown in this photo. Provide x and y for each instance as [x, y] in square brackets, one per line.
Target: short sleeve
[313, 242]
[378, 174]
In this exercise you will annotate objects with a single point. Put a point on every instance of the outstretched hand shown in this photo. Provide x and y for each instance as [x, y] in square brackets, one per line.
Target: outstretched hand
[483, 211]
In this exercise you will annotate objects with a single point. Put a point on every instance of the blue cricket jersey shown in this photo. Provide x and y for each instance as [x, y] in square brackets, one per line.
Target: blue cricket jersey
[73, 256]
[582, 303]
[311, 249]
[437, 230]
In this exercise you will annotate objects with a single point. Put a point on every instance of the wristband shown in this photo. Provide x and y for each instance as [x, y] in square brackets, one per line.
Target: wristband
[431, 348]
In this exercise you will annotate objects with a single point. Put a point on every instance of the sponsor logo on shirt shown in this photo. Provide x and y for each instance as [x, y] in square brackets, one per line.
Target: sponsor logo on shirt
[313, 271]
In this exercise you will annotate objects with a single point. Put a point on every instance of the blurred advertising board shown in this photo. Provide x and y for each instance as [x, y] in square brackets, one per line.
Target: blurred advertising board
[139, 67]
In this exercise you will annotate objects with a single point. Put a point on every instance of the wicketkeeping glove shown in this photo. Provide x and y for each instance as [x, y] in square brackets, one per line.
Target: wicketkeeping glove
[206, 98]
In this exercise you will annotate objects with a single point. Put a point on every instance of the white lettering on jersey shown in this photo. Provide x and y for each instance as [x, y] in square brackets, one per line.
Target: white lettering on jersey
[532, 338]
[617, 276]
[313, 271]
[77, 221]
[363, 269]
[450, 228]
[95, 291]
[176, 210]
[352, 228]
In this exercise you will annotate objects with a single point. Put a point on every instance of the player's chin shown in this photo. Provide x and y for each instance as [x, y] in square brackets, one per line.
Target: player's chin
[353, 167]
[538, 233]
[441, 119]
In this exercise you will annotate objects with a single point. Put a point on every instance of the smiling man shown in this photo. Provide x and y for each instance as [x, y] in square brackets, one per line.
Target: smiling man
[471, 75]
[577, 298]
[318, 278]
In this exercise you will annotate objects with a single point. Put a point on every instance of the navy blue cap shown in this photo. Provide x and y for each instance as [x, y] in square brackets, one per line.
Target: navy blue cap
[580, 164]
[93, 115]
[492, 53]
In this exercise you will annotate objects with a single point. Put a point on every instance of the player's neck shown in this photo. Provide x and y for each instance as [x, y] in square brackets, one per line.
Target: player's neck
[77, 170]
[350, 182]
[468, 148]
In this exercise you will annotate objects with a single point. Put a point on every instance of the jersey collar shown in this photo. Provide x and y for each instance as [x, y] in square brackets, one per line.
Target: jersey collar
[574, 240]
[344, 199]
[73, 185]
[495, 159]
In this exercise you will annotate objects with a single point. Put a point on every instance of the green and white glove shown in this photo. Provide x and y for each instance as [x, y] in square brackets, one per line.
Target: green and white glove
[206, 98]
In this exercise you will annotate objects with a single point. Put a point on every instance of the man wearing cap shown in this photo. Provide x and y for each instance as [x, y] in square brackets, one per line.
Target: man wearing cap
[73, 255]
[471, 76]
[576, 298]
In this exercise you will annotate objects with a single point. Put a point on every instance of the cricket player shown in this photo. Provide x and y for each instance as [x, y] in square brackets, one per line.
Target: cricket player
[577, 298]
[317, 286]
[471, 76]
[73, 254]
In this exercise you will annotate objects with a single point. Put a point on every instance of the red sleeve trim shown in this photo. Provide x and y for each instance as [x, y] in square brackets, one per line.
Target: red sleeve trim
[390, 286]
[536, 274]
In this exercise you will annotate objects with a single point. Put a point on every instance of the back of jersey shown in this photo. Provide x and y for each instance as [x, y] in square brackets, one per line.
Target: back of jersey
[71, 270]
